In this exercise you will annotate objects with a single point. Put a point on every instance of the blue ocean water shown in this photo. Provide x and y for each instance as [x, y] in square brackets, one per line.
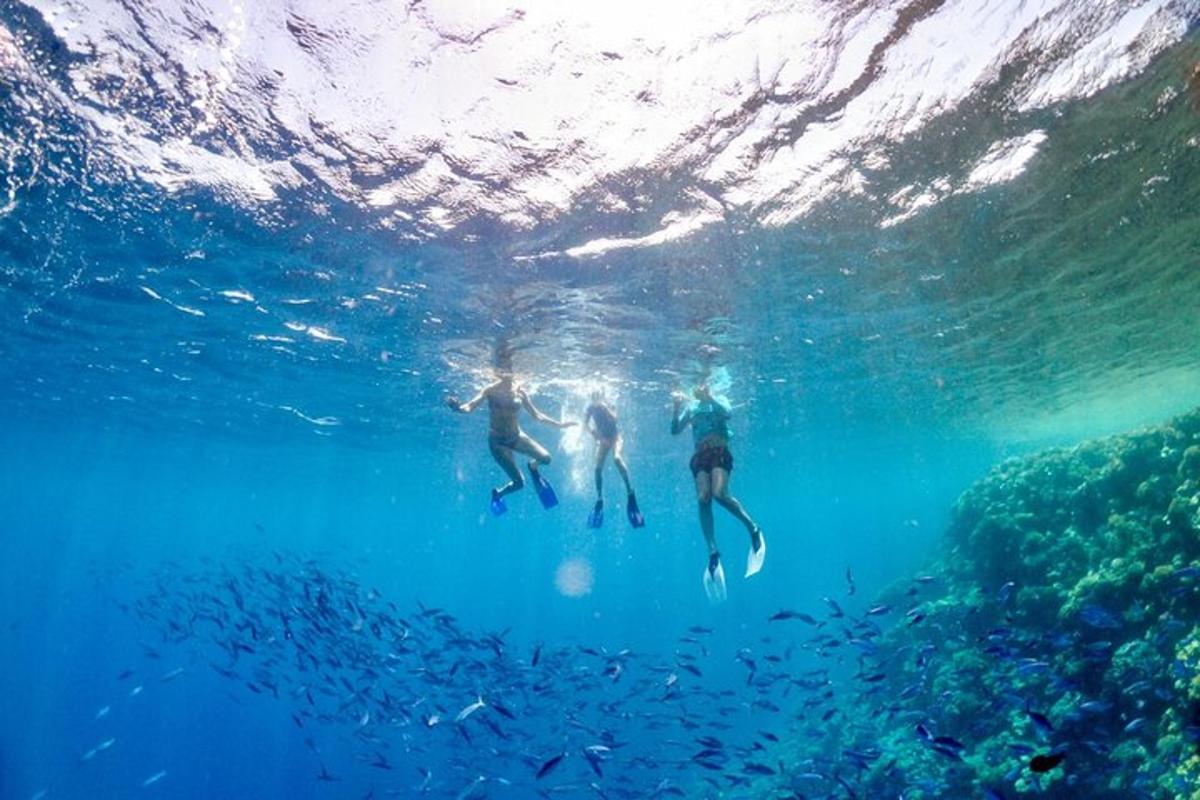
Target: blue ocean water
[414, 526]
[246, 253]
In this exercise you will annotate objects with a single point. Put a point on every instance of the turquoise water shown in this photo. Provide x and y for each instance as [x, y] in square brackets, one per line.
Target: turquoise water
[246, 252]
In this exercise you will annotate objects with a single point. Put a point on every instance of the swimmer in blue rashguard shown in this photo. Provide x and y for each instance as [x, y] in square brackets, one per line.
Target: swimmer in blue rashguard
[601, 421]
[711, 466]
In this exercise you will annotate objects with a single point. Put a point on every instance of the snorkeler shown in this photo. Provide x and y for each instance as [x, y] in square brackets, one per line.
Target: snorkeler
[601, 421]
[711, 465]
[505, 438]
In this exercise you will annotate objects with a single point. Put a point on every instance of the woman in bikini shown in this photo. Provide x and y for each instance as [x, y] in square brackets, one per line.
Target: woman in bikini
[505, 438]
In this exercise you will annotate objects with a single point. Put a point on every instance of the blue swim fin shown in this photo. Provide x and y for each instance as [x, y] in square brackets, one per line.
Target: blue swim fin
[635, 514]
[596, 518]
[545, 491]
[498, 506]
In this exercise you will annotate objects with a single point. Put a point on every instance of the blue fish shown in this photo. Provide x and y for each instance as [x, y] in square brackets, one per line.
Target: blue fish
[1005, 592]
[1135, 725]
[1099, 617]
[549, 765]
[949, 741]
[1095, 707]
[753, 768]
[1040, 721]
[948, 752]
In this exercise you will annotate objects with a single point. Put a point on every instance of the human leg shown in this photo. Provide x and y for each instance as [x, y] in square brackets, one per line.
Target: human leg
[720, 493]
[758, 544]
[538, 457]
[529, 446]
[619, 461]
[602, 451]
[504, 457]
[704, 500]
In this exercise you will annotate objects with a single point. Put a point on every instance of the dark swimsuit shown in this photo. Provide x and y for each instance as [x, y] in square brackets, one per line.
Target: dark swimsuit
[606, 422]
[710, 458]
[710, 421]
[508, 440]
[504, 440]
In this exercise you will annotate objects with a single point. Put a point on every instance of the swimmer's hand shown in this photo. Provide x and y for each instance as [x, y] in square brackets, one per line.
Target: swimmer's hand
[453, 404]
[678, 397]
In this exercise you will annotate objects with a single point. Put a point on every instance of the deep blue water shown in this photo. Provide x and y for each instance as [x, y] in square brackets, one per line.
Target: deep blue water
[414, 530]
[237, 282]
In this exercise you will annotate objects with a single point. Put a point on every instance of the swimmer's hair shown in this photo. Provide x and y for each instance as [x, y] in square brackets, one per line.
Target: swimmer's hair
[502, 357]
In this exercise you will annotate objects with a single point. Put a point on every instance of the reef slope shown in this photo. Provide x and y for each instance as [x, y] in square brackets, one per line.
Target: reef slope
[1061, 621]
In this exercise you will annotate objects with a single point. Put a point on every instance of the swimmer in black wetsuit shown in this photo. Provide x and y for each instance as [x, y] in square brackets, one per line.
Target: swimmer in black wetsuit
[505, 438]
[601, 421]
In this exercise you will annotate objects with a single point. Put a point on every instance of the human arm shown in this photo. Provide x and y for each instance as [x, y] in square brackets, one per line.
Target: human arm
[679, 422]
[469, 406]
[537, 413]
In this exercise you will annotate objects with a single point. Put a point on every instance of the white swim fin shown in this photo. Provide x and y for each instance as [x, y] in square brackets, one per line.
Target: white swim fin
[714, 580]
[754, 561]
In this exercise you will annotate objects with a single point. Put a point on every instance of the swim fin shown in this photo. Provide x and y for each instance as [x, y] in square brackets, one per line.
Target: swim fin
[545, 491]
[754, 561]
[635, 514]
[498, 506]
[596, 518]
[714, 580]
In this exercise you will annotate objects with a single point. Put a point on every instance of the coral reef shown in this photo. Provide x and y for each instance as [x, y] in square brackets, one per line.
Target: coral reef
[1054, 650]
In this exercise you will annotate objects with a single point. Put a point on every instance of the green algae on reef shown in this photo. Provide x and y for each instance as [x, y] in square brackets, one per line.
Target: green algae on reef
[1069, 595]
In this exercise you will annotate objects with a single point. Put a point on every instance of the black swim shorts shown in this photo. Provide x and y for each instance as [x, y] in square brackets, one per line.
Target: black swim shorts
[710, 458]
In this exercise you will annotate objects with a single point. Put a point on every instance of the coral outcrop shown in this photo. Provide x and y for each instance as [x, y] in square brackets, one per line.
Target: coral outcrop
[1054, 650]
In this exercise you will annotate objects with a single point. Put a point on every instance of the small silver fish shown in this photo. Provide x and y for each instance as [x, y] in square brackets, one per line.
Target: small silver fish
[469, 710]
[100, 748]
[155, 778]
[172, 675]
